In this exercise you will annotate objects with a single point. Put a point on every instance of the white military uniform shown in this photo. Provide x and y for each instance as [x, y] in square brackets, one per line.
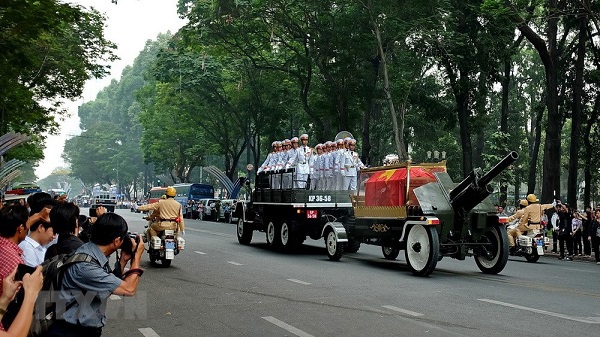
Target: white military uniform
[352, 164]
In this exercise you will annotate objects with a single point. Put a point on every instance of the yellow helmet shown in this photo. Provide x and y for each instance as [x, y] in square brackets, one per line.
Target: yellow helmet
[532, 198]
[523, 203]
[171, 191]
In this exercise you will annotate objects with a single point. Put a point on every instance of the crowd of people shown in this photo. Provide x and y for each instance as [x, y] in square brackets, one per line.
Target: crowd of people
[34, 233]
[333, 165]
[574, 232]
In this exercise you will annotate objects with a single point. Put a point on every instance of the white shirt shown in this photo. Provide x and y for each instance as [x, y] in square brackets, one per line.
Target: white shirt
[33, 252]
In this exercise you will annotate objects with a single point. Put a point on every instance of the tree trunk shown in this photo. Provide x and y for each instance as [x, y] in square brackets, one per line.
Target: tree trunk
[465, 134]
[534, 149]
[397, 122]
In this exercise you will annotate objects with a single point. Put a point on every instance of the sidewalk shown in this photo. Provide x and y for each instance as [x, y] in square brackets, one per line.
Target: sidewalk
[582, 258]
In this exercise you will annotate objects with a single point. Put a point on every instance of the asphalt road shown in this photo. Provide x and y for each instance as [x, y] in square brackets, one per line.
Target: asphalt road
[217, 287]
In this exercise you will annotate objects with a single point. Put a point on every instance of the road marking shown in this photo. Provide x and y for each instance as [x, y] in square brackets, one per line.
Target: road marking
[114, 297]
[201, 253]
[235, 263]
[210, 232]
[589, 320]
[148, 332]
[404, 311]
[298, 281]
[286, 326]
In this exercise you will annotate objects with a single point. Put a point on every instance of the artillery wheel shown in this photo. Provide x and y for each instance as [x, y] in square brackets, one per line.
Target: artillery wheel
[244, 232]
[495, 259]
[334, 249]
[533, 257]
[390, 253]
[273, 236]
[353, 245]
[422, 249]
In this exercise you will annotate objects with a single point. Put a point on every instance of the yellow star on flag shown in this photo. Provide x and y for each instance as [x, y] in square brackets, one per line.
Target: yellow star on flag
[387, 174]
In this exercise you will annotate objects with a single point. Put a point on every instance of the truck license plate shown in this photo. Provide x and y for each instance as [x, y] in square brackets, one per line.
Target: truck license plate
[311, 214]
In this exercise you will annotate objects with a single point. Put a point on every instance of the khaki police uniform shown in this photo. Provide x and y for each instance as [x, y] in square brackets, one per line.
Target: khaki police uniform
[531, 219]
[169, 210]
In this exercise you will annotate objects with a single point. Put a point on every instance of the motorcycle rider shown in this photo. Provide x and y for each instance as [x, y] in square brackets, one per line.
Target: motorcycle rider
[531, 219]
[519, 213]
[170, 215]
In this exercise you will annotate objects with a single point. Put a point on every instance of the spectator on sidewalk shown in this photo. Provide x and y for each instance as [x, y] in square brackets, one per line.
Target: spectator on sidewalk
[594, 236]
[576, 229]
[564, 237]
[587, 221]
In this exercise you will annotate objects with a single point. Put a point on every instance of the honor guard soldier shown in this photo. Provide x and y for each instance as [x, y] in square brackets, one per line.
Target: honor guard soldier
[300, 161]
[352, 164]
[265, 165]
[316, 176]
[286, 182]
[327, 166]
[338, 166]
[274, 166]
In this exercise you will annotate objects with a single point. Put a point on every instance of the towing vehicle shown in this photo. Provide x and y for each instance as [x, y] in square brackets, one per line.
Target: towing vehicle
[104, 197]
[289, 216]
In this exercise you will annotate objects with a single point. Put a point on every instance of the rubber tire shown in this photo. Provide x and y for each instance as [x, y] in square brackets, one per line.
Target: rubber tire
[352, 246]
[422, 249]
[273, 234]
[390, 253]
[498, 237]
[287, 236]
[244, 232]
[166, 263]
[335, 249]
[533, 257]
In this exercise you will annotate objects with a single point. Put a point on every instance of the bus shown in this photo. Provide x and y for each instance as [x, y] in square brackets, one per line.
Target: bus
[155, 193]
[192, 191]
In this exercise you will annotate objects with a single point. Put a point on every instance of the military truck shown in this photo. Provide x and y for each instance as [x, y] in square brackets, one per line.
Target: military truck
[104, 197]
[289, 216]
[419, 209]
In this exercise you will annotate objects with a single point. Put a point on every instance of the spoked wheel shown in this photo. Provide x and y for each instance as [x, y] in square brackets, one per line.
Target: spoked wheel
[244, 232]
[390, 253]
[334, 249]
[422, 249]
[533, 257]
[496, 253]
[273, 236]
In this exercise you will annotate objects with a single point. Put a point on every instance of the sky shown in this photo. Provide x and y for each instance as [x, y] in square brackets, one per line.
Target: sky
[129, 24]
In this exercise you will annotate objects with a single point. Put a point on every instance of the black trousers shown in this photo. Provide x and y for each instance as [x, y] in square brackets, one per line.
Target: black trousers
[63, 329]
[596, 245]
[587, 245]
[577, 246]
[565, 239]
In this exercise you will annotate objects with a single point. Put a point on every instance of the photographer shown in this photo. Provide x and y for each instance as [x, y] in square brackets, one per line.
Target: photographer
[87, 286]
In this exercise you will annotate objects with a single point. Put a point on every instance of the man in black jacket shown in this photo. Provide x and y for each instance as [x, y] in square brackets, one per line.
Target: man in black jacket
[564, 225]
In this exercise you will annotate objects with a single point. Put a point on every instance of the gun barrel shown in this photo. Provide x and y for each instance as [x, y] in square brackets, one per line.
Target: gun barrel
[501, 166]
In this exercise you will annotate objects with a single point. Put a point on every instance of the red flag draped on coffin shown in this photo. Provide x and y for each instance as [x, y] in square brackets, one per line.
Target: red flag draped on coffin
[388, 187]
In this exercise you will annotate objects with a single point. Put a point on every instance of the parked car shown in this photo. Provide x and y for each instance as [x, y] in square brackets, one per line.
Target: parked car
[225, 210]
[208, 209]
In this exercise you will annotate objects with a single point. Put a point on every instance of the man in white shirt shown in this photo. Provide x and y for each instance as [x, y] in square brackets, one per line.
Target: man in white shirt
[35, 244]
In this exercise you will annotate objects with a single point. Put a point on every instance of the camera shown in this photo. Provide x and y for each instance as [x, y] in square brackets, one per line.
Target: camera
[126, 246]
[92, 212]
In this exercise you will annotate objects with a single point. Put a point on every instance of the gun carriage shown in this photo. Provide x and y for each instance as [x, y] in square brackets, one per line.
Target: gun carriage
[419, 209]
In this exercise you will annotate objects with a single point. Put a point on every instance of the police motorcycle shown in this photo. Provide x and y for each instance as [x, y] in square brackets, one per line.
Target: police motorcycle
[163, 247]
[530, 244]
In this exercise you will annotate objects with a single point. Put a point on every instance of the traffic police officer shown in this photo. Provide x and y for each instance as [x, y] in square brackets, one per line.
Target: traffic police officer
[170, 214]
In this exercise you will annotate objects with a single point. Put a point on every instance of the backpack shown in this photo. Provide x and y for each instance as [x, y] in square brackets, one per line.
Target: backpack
[44, 313]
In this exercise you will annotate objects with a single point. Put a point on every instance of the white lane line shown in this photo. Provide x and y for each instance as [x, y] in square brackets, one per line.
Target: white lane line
[298, 281]
[286, 326]
[148, 332]
[210, 232]
[114, 297]
[404, 311]
[589, 320]
[235, 263]
[201, 253]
